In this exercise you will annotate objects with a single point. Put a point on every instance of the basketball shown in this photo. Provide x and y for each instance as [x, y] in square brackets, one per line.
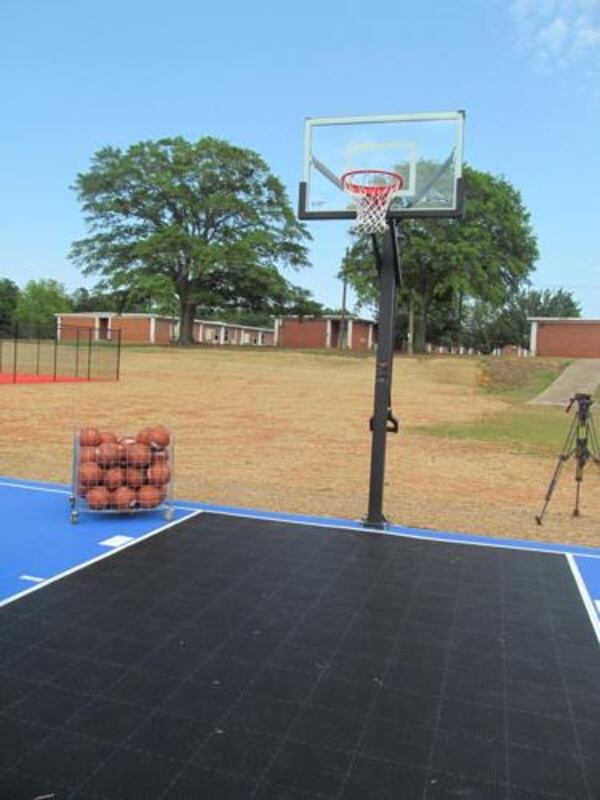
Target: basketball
[90, 437]
[98, 498]
[150, 496]
[123, 498]
[138, 455]
[109, 454]
[159, 474]
[90, 474]
[160, 436]
[114, 477]
[134, 477]
[108, 436]
[145, 436]
[87, 454]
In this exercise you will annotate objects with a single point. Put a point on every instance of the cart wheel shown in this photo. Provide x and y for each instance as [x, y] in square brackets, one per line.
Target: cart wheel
[74, 517]
[168, 515]
[72, 501]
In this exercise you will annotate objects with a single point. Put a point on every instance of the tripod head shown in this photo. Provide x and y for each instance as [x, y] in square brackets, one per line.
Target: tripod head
[584, 405]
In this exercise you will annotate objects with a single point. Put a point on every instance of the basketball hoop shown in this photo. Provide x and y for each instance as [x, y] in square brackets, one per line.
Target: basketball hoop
[372, 191]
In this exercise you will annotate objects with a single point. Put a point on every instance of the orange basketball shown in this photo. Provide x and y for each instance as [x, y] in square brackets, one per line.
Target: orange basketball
[108, 436]
[160, 436]
[160, 456]
[98, 498]
[150, 496]
[90, 437]
[90, 474]
[145, 436]
[87, 454]
[159, 474]
[137, 455]
[109, 454]
[114, 477]
[123, 498]
[134, 477]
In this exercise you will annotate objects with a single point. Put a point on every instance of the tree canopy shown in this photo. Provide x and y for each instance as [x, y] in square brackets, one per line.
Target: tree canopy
[39, 301]
[9, 295]
[488, 255]
[487, 327]
[207, 218]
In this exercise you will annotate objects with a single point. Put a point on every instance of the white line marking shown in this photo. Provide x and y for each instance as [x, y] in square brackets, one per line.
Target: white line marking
[597, 604]
[32, 578]
[108, 554]
[429, 537]
[34, 488]
[116, 541]
[585, 596]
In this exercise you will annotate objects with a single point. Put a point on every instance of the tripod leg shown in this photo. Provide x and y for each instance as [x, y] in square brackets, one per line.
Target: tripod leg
[577, 492]
[552, 485]
[567, 451]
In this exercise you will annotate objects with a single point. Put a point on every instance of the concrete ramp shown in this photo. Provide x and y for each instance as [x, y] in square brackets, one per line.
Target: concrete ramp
[581, 376]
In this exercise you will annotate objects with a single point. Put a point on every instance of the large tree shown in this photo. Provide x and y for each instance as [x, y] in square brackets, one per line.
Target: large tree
[39, 301]
[9, 295]
[487, 254]
[487, 327]
[207, 216]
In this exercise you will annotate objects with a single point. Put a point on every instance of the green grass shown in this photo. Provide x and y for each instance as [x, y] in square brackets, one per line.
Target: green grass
[521, 427]
[531, 429]
[517, 380]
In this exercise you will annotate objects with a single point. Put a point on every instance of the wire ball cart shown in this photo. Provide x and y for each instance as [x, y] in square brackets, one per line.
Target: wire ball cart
[122, 475]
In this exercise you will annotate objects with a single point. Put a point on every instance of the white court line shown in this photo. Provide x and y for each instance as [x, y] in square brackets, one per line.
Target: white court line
[32, 578]
[429, 537]
[67, 492]
[109, 554]
[587, 600]
[585, 595]
[34, 488]
[266, 517]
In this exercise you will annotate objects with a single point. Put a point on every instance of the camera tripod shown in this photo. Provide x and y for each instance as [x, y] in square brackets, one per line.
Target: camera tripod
[581, 443]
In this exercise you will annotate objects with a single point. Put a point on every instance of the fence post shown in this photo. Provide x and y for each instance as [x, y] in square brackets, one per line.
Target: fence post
[16, 339]
[37, 351]
[118, 373]
[55, 358]
[77, 354]
[89, 364]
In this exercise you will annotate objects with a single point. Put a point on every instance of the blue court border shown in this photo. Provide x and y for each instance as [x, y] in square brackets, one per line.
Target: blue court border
[39, 544]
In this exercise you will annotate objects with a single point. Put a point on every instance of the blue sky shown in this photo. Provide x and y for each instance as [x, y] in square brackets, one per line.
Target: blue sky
[80, 75]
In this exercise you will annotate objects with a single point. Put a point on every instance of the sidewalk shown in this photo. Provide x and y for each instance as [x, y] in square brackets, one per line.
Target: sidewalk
[581, 376]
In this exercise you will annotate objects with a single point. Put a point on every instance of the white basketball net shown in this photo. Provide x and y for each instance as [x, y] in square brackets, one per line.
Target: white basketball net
[372, 192]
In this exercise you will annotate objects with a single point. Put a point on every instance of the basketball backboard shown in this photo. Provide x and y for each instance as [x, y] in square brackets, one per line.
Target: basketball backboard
[425, 149]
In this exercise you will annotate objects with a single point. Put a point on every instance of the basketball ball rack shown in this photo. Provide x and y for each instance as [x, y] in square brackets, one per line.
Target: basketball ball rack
[140, 500]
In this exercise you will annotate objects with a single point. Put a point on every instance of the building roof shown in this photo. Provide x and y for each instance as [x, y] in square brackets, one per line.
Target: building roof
[135, 315]
[569, 320]
[334, 317]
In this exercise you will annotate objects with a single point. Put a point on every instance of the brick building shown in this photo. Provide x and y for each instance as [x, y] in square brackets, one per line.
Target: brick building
[157, 329]
[564, 336]
[331, 331]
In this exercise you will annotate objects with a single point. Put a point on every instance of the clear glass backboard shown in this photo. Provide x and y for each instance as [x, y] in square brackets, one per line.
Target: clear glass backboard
[425, 149]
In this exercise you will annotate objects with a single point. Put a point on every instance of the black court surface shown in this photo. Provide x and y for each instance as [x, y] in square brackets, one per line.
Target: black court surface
[236, 658]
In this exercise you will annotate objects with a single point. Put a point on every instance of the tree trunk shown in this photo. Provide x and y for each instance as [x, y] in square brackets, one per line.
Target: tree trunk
[420, 336]
[411, 326]
[186, 321]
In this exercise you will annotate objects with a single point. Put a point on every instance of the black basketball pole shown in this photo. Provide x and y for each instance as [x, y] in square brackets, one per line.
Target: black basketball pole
[383, 420]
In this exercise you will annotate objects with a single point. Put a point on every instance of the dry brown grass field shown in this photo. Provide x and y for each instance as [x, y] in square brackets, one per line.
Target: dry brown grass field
[288, 431]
